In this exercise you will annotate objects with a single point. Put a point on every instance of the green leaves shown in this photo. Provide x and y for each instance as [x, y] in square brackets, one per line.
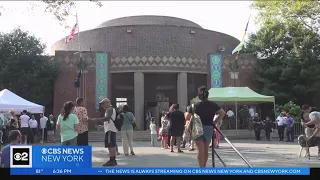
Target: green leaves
[62, 9]
[25, 69]
[288, 48]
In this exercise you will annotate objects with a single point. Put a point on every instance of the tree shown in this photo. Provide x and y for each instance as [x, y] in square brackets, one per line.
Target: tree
[25, 69]
[61, 9]
[288, 49]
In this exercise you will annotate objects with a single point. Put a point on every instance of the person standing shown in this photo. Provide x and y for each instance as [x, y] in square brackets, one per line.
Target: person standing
[24, 126]
[177, 127]
[153, 132]
[216, 141]
[267, 127]
[257, 125]
[33, 124]
[50, 126]
[206, 110]
[43, 129]
[127, 130]
[230, 119]
[14, 121]
[164, 130]
[68, 125]
[81, 112]
[110, 130]
[187, 116]
[281, 125]
[169, 124]
[289, 128]
[314, 117]
[250, 120]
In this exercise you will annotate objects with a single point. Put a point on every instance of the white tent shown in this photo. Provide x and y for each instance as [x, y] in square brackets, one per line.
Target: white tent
[10, 101]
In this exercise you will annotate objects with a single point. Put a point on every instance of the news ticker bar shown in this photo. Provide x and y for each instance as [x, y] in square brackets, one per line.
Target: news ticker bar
[160, 171]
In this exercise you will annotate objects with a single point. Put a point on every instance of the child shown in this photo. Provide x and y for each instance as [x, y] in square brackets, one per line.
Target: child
[164, 134]
[153, 133]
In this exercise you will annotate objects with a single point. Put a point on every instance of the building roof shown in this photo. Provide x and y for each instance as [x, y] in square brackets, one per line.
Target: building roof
[149, 20]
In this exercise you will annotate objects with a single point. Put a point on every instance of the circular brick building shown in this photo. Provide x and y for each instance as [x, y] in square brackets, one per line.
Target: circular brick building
[147, 62]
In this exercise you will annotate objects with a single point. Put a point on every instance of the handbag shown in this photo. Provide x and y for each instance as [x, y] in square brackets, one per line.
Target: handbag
[197, 127]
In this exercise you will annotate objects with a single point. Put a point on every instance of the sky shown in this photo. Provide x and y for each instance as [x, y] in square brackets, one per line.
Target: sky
[229, 17]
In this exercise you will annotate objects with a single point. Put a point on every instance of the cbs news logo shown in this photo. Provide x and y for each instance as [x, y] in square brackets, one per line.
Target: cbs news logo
[20, 156]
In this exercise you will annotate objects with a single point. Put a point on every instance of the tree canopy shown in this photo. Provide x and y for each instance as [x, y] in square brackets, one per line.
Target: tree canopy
[288, 49]
[61, 9]
[25, 69]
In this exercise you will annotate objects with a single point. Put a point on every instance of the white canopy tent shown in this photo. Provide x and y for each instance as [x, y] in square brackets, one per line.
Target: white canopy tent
[10, 101]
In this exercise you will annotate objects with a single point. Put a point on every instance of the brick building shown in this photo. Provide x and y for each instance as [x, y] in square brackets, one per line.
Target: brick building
[147, 62]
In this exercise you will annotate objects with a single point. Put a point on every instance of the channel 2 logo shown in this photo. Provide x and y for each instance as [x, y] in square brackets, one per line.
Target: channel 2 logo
[20, 156]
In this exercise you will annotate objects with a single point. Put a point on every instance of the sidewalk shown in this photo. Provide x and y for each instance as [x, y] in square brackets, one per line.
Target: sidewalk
[259, 154]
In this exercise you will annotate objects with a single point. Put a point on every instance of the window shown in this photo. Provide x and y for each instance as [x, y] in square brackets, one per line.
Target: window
[121, 101]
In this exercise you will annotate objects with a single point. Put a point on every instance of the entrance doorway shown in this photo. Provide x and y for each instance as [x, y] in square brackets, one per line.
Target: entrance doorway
[155, 109]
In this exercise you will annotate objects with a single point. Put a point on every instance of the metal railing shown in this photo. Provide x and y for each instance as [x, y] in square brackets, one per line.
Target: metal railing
[214, 152]
[297, 128]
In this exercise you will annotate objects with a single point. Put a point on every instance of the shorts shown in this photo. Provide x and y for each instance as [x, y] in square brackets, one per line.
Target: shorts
[50, 133]
[24, 131]
[164, 136]
[208, 134]
[110, 139]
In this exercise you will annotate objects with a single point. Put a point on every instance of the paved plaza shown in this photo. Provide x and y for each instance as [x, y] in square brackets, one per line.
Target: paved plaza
[259, 154]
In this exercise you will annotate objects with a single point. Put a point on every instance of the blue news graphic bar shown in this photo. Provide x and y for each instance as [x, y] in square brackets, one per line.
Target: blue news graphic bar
[160, 171]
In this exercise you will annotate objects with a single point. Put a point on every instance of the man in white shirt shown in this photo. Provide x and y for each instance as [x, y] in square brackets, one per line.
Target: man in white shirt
[43, 129]
[24, 126]
[110, 130]
[251, 112]
[33, 124]
[281, 119]
[230, 119]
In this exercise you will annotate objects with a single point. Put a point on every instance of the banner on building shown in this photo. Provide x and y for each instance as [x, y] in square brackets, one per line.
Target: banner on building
[215, 71]
[102, 76]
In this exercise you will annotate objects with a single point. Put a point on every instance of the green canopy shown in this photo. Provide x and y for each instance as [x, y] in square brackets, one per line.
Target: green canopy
[237, 94]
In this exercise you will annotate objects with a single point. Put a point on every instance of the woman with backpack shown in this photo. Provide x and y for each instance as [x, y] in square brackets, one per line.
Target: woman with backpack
[206, 110]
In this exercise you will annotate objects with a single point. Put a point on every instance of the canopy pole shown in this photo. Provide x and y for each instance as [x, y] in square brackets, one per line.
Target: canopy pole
[274, 110]
[236, 107]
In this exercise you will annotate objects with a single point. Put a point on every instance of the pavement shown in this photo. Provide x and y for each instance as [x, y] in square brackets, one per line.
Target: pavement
[259, 154]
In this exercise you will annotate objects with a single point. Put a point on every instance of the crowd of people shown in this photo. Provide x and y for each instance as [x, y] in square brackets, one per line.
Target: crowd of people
[174, 132]
[32, 131]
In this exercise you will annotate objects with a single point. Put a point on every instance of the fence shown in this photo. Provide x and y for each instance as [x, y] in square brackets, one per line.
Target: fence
[298, 129]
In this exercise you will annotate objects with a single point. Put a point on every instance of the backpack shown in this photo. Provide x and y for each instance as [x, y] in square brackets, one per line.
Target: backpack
[118, 122]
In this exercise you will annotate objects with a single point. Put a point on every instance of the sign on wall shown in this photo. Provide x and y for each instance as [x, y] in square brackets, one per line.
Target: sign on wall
[102, 72]
[216, 75]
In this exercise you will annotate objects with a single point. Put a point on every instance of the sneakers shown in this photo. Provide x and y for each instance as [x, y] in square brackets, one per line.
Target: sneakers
[132, 153]
[110, 163]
